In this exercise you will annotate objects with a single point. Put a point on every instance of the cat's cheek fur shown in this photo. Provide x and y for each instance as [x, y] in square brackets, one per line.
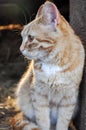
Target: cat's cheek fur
[34, 55]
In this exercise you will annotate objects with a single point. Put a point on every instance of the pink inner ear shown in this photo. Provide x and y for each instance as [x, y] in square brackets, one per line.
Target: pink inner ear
[50, 12]
[54, 14]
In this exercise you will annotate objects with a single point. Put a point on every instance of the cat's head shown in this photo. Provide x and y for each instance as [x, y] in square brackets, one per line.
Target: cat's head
[40, 37]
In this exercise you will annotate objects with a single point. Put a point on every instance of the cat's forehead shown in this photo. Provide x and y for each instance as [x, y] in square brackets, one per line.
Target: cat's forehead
[35, 28]
[25, 30]
[30, 28]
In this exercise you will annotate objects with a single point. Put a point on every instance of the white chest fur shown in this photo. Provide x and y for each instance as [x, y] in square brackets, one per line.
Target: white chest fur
[50, 69]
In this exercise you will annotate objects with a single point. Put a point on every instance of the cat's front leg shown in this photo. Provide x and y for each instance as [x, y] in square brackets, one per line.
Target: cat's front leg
[41, 107]
[66, 111]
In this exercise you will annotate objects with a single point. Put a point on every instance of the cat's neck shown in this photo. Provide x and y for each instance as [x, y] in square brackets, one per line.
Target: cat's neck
[48, 68]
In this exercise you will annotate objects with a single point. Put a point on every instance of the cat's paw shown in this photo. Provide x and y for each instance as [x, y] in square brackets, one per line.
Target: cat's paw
[19, 122]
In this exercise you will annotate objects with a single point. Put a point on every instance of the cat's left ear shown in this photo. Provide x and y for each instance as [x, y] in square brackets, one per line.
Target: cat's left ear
[49, 13]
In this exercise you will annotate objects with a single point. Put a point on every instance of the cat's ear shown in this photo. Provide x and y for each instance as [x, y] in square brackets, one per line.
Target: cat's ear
[39, 13]
[49, 13]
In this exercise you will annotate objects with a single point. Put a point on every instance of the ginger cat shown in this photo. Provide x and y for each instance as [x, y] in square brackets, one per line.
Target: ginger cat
[47, 93]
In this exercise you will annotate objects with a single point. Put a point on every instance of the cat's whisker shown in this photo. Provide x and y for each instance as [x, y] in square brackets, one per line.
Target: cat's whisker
[32, 16]
[18, 32]
[25, 17]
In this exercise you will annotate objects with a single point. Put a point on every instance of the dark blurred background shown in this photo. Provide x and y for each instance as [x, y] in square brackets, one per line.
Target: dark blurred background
[23, 11]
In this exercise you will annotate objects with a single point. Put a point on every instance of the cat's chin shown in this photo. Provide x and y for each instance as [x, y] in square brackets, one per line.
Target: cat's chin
[29, 55]
[29, 58]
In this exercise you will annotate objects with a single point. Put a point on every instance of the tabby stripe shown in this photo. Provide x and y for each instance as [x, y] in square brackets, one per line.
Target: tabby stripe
[35, 129]
[42, 40]
[20, 122]
[45, 105]
[67, 97]
[53, 104]
[22, 127]
[67, 105]
[42, 95]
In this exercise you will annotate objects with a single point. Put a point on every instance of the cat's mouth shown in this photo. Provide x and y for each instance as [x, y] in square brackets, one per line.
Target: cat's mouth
[33, 55]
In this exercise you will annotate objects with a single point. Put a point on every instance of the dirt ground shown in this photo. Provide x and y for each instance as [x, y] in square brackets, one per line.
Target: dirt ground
[12, 66]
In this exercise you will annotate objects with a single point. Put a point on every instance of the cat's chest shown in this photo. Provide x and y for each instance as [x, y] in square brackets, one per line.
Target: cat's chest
[50, 74]
[47, 71]
[53, 76]
[50, 70]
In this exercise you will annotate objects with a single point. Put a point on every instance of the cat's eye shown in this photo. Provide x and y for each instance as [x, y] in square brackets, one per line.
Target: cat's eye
[30, 38]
